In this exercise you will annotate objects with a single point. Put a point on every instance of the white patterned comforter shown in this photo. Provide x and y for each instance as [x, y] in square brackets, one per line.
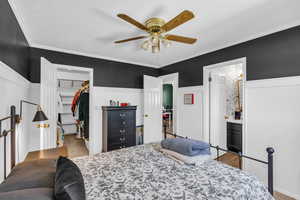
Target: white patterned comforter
[142, 172]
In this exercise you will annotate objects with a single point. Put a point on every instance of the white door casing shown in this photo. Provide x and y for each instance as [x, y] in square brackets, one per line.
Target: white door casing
[218, 111]
[152, 109]
[48, 103]
[206, 98]
[173, 79]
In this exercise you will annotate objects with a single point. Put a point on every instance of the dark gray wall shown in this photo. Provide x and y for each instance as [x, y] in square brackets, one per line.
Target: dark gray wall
[272, 56]
[14, 48]
[106, 73]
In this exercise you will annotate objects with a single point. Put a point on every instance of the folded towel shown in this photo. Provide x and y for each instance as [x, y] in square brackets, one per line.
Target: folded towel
[186, 147]
[189, 160]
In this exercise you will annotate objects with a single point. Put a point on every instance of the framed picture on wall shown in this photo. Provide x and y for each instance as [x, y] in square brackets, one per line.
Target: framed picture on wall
[188, 99]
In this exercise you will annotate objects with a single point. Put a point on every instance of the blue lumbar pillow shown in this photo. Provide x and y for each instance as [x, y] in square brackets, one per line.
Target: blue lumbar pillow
[186, 147]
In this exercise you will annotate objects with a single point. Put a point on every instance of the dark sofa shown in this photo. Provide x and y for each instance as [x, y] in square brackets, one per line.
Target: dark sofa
[32, 180]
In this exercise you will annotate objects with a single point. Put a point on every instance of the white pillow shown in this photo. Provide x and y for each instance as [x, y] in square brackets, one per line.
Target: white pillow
[190, 160]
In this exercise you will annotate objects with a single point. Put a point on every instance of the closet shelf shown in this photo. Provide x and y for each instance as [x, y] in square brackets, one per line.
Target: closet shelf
[67, 94]
[67, 102]
[66, 113]
[70, 123]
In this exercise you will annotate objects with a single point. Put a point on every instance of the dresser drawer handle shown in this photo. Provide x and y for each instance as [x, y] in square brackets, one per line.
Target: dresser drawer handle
[123, 122]
[122, 115]
[122, 139]
[122, 131]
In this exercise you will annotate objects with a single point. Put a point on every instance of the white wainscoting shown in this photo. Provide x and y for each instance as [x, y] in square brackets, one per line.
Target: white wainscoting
[34, 134]
[13, 88]
[190, 117]
[102, 97]
[273, 110]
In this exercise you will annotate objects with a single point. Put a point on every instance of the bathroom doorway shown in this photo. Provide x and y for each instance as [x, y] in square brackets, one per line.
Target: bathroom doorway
[224, 107]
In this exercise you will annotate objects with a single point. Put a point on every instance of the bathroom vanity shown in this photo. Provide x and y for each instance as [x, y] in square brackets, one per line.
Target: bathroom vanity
[235, 135]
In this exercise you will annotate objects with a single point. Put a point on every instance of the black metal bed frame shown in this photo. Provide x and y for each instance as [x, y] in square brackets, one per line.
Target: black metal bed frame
[13, 118]
[269, 150]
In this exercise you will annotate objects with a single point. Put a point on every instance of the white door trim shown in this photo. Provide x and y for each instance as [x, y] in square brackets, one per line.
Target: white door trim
[173, 79]
[206, 70]
[91, 107]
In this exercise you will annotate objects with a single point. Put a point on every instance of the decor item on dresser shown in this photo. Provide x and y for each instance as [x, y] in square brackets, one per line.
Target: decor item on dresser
[119, 127]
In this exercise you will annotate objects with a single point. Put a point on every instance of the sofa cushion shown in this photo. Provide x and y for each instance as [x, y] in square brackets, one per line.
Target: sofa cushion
[69, 184]
[29, 194]
[31, 174]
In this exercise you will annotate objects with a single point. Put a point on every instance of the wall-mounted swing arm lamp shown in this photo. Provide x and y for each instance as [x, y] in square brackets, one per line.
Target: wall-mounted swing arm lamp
[38, 117]
[15, 119]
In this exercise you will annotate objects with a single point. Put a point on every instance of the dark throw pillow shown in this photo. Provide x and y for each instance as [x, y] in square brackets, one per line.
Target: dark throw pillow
[69, 184]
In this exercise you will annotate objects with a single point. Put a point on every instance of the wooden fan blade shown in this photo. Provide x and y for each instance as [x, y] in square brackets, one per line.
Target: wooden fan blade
[181, 39]
[178, 20]
[130, 39]
[132, 21]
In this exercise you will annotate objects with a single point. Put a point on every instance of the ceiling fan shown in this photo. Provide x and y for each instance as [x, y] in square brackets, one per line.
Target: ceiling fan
[157, 28]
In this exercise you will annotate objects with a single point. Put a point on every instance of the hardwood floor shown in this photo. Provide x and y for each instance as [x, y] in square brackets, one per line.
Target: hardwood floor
[230, 159]
[76, 147]
[47, 154]
[233, 160]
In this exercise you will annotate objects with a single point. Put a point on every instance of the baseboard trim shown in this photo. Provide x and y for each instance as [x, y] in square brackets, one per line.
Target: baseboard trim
[295, 196]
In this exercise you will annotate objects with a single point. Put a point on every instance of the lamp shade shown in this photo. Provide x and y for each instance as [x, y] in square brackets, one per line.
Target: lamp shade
[39, 116]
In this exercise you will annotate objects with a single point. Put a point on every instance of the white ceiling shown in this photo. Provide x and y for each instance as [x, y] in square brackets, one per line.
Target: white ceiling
[89, 27]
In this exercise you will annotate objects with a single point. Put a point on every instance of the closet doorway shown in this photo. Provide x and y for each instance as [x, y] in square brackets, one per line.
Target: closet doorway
[70, 102]
[224, 105]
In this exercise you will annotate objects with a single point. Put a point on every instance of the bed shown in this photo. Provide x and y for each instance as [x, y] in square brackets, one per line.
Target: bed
[140, 172]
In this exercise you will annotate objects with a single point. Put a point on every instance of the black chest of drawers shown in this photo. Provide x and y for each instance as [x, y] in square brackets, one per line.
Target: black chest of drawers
[119, 127]
[235, 137]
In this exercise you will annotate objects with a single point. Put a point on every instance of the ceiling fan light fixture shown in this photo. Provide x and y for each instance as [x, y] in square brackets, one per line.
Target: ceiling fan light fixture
[157, 29]
[146, 45]
[154, 40]
[165, 42]
[155, 49]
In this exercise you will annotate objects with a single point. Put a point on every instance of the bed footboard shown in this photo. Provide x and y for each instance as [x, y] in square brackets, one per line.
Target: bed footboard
[270, 152]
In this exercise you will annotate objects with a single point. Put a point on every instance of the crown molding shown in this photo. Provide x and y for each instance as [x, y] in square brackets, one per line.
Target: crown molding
[51, 48]
[247, 39]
